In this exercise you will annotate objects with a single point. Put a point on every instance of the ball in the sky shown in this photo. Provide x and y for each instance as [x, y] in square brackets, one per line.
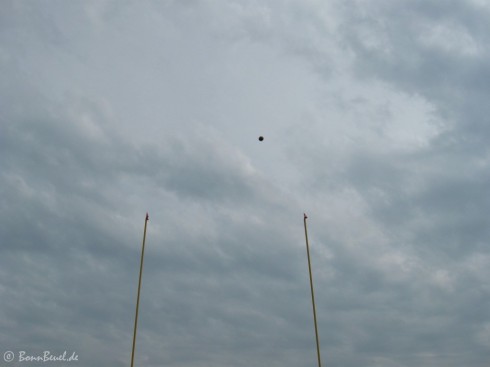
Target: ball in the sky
[261, 138]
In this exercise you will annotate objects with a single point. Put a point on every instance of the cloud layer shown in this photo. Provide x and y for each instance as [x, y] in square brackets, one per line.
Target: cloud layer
[374, 118]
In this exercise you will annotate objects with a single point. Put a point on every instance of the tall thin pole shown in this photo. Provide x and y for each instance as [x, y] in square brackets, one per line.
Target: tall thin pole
[139, 289]
[312, 295]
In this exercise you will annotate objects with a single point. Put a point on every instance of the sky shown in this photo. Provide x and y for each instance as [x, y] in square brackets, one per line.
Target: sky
[375, 119]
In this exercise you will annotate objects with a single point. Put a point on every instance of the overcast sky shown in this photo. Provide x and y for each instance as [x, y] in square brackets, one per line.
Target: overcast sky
[376, 123]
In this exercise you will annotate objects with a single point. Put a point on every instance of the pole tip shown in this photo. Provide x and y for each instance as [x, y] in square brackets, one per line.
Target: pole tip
[147, 217]
[305, 215]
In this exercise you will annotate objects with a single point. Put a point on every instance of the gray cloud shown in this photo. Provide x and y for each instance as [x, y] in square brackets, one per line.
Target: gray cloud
[374, 119]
